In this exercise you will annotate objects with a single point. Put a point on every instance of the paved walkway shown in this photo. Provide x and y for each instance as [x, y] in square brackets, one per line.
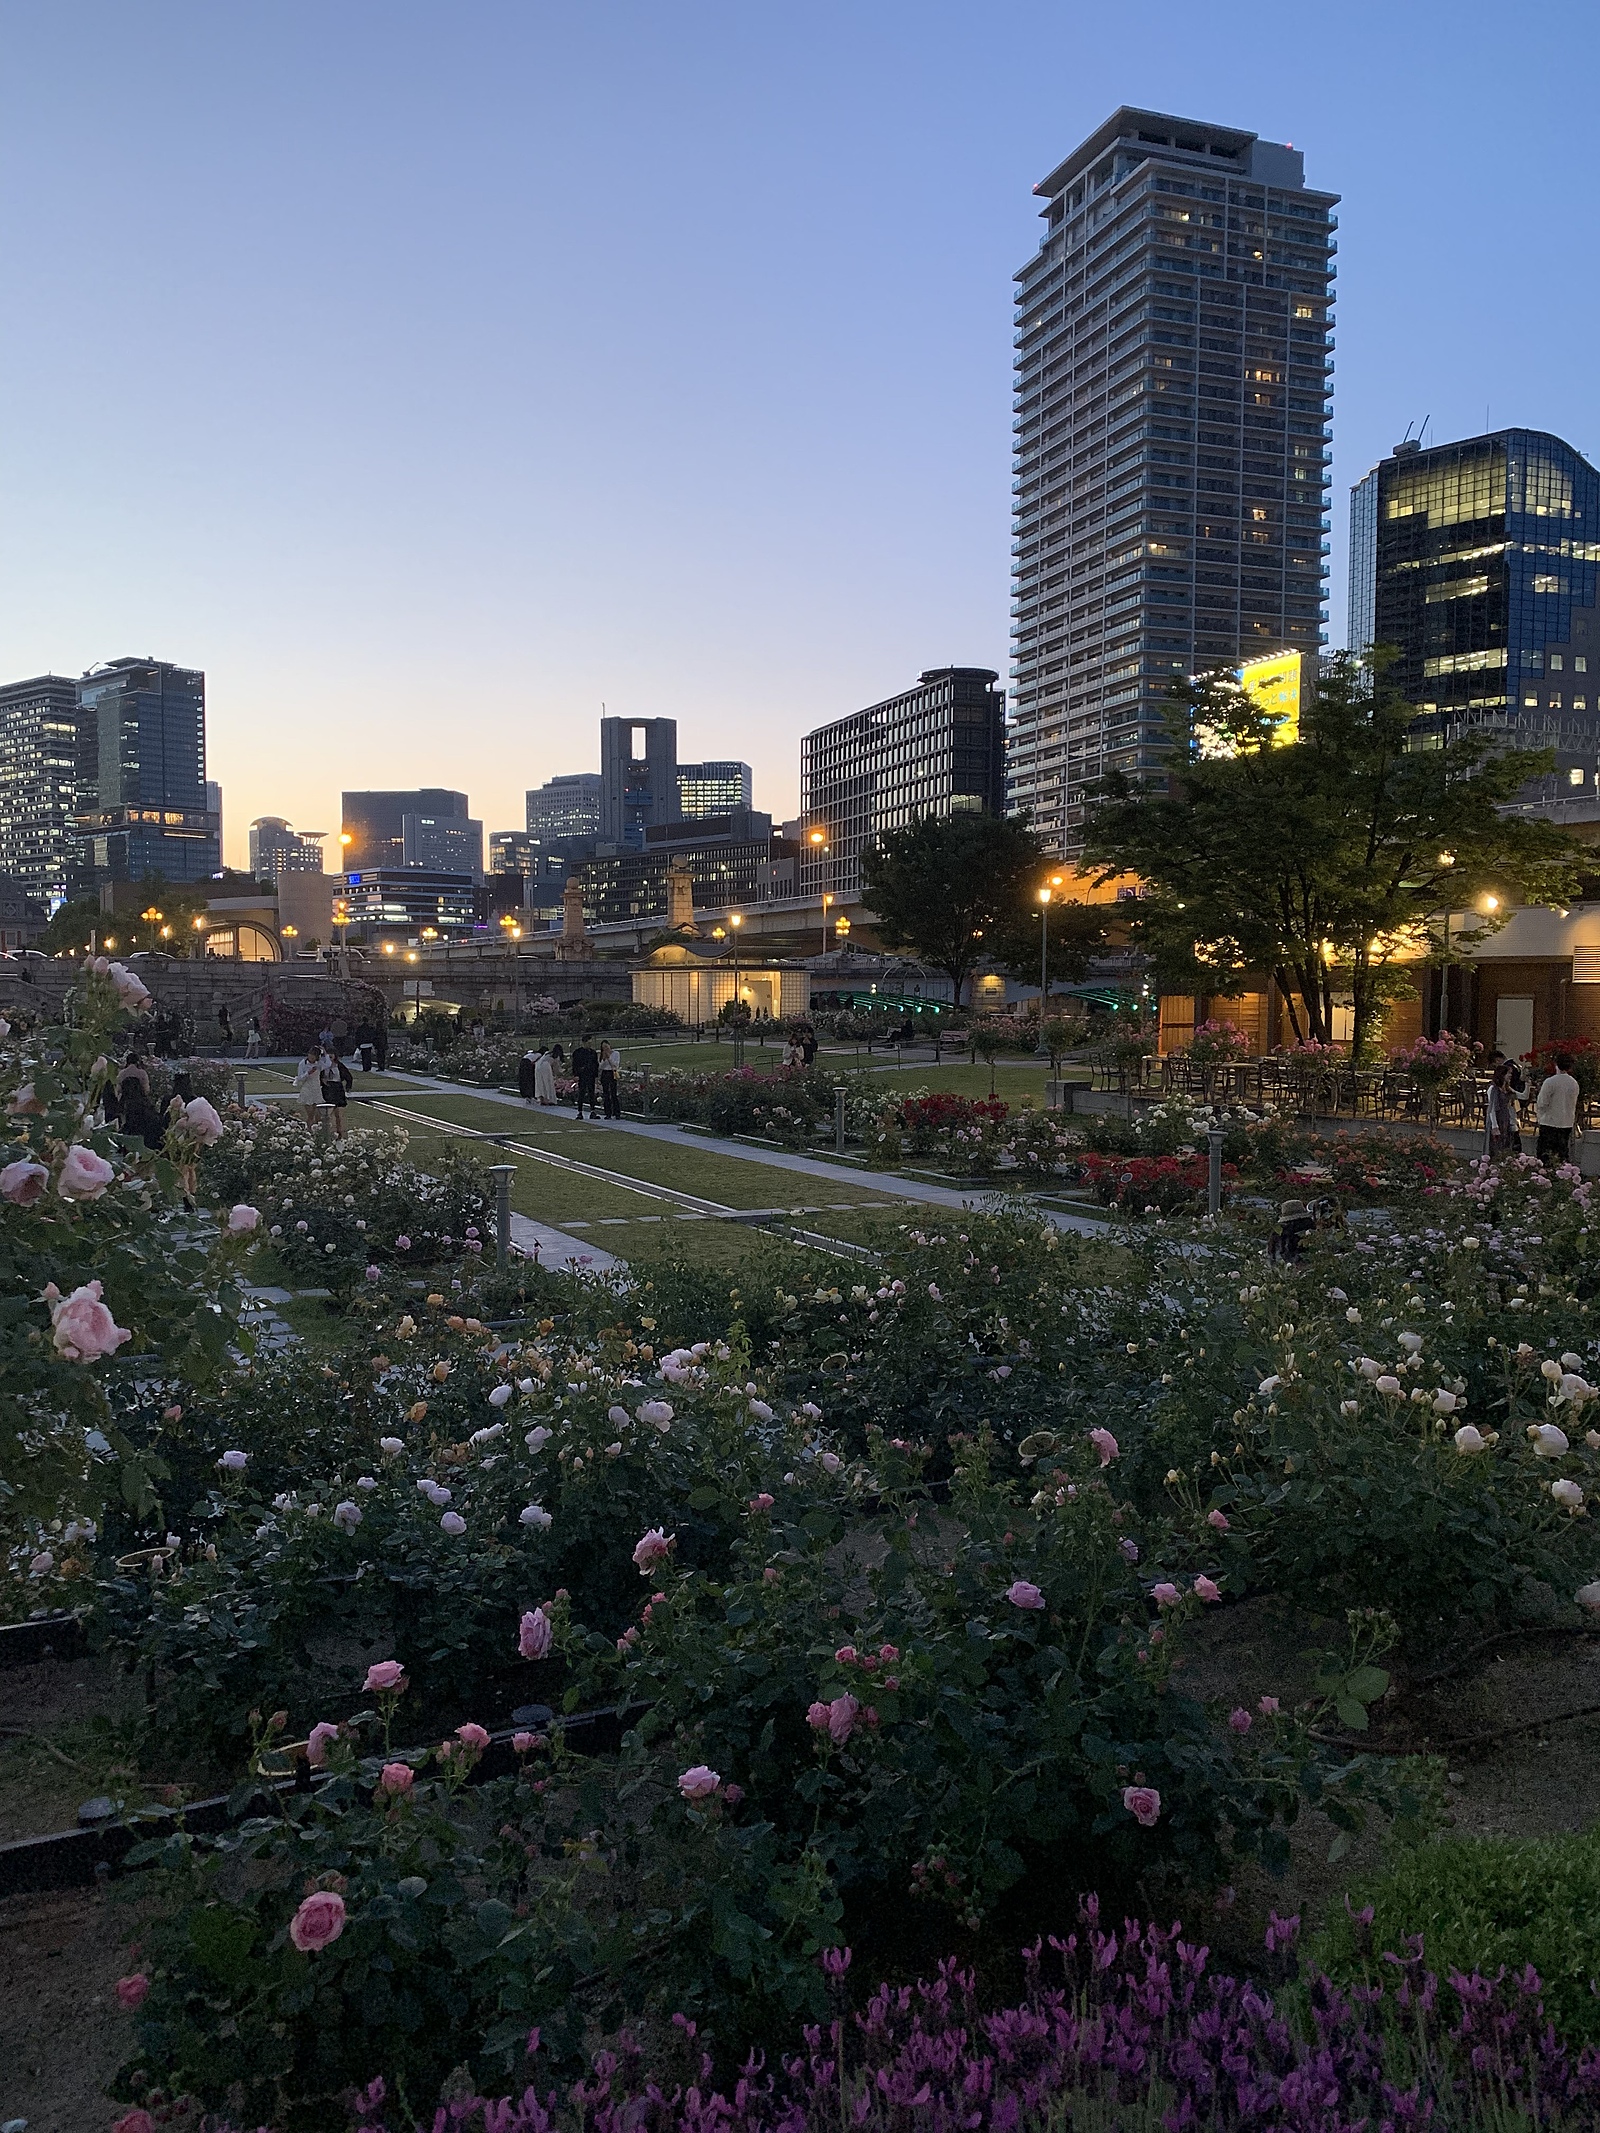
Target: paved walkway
[810, 1166]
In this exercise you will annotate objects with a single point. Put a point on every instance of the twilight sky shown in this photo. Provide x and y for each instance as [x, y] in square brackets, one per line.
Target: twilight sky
[433, 373]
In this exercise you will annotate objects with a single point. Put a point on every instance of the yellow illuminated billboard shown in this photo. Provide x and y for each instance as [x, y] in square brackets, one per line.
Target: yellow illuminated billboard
[1272, 685]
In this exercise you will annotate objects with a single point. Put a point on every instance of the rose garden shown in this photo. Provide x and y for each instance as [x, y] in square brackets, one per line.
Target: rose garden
[1001, 1673]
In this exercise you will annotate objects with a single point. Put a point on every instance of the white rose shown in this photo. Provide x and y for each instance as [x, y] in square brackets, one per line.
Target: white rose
[1468, 1440]
[1548, 1442]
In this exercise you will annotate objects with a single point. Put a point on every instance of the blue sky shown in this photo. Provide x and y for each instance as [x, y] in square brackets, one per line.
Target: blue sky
[432, 374]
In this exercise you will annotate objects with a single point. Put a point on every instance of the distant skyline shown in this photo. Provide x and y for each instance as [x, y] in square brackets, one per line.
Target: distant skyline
[431, 376]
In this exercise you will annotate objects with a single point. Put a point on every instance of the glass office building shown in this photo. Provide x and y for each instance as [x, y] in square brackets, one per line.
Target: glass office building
[1173, 376]
[142, 775]
[565, 807]
[1477, 561]
[713, 789]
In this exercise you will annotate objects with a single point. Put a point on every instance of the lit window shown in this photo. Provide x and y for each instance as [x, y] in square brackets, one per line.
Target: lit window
[1580, 703]
[1530, 703]
[1574, 777]
[1580, 664]
[1555, 662]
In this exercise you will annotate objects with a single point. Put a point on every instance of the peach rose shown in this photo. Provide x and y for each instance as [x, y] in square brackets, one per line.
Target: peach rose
[84, 1175]
[84, 1328]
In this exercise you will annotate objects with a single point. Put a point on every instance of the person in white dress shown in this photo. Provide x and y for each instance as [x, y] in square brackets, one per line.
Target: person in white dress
[544, 1077]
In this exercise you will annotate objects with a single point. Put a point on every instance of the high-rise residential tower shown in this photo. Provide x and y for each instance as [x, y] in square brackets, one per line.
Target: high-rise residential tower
[277, 849]
[1477, 562]
[1172, 385]
[142, 774]
[39, 784]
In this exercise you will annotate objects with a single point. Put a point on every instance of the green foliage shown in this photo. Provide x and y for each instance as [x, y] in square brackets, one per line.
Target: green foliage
[1325, 862]
[169, 1286]
[943, 882]
[1480, 1902]
[73, 924]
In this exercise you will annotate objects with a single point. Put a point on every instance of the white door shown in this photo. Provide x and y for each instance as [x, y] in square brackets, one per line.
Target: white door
[1513, 1024]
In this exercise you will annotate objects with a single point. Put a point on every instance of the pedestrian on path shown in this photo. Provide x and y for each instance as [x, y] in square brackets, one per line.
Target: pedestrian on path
[808, 1043]
[610, 1068]
[527, 1067]
[586, 1065]
[544, 1077]
[335, 1077]
[252, 1042]
[308, 1085]
[1556, 1109]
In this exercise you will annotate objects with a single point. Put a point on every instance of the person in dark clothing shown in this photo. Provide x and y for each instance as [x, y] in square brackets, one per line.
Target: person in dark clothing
[225, 1023]
[335, 1078]
[182, 1086]
[380, 1044]
[586, 1065]
[526, 1066]
[139, 1114]
[808, 1044]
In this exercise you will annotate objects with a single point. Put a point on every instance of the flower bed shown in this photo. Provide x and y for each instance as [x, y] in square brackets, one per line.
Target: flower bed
[1153, 1184]
[1134, 2027]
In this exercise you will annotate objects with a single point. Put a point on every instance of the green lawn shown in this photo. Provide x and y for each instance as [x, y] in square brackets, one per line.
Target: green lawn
[689, 1166]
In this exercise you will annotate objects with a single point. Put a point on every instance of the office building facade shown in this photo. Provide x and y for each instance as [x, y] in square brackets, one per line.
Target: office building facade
[142, 775]
[565, 807]
[276, 848]
[937, 750]
[638, 777]
[372, 824]
[728, 872]
[1173, 379]
[1478, 563]
[412, 901]
[39, 785]
[713, 789]
[444, 843]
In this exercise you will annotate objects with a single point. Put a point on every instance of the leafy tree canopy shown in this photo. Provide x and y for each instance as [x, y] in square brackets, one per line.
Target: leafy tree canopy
[1326, 864]
[71, 924]
[943, 884]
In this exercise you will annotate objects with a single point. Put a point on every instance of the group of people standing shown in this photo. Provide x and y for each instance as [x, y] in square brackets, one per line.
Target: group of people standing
[127, 1104]
[1555, 1110]
[597, 1074]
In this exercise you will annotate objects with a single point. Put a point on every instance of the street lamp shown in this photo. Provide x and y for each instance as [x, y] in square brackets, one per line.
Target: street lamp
[827, 899]
[736, 920]
[1044, 961]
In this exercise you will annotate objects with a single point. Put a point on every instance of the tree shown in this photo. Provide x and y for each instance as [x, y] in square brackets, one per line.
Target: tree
[944, 882]
[72, 923]
[1328, 863]
[1076, 934]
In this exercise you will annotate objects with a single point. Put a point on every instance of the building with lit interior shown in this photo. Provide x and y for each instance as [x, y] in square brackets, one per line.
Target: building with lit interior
[1171, 442]
[39, 784]
[1477, 562]
[142, 775]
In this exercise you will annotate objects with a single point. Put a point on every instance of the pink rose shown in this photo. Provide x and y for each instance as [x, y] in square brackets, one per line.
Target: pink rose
[1207, 1590]
[83, 1175]
[535, 1635]
[134, 2122]
[319, 1920]
[396, 1779]
[1219, 1519]
[1022, 1594]
[763, 1502]
[242, 1219]
[84, 1328]
[472, 1735]
[1268, 1706]
[202, 1121]
[23, 1102]
[1165, 1594]
[842, 1715]
[1239, 1720]
[733, 1794]
[817, 1715]
[386, 1674]
[524, 1743]
[132, 1992]
[1105, 1444]
[22, 1182]
[1143, 1802]
[653, 1548]
[321, 1738]
[699, 1783]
